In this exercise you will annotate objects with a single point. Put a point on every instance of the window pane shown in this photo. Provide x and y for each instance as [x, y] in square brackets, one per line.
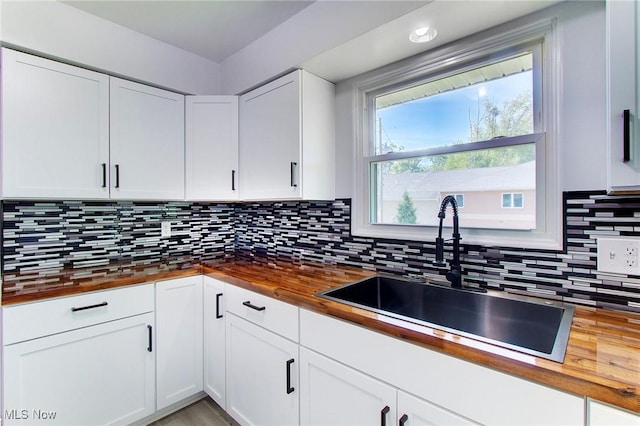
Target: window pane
[480, 104]
[410, 191]
[506, 200]
[517, 200]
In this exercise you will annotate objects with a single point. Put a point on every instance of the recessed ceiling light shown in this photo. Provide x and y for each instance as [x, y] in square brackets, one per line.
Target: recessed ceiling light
[423, 34]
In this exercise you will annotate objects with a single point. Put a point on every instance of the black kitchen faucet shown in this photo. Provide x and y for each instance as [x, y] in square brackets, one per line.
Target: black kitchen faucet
[454, 275]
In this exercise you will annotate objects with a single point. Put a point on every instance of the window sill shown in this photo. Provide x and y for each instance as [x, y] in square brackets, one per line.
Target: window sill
[481, 237]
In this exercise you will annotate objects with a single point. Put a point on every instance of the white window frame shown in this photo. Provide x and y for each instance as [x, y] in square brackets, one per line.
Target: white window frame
[473, 50]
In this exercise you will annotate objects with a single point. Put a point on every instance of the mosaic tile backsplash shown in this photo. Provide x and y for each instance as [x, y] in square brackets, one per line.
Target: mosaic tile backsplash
[76, 234]
[52, 235]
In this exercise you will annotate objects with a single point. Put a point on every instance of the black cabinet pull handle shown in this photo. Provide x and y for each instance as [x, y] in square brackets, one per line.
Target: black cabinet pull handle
[233, 180]
[117, 185]
[218, 296]
[403, 420]
[293, 172]
[290, 388]
[626, 135]
[383, 415]
[150, 346]
[104, 175]
[252, 306]
[83, 308]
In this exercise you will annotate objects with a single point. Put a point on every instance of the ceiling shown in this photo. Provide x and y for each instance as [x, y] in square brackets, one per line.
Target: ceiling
[217, 29]
[214, 29]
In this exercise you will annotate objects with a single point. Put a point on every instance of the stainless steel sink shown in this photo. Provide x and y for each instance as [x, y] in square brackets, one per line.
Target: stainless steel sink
[535, 327]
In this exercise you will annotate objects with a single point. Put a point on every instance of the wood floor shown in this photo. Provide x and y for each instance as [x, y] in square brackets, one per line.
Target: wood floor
[202, 413]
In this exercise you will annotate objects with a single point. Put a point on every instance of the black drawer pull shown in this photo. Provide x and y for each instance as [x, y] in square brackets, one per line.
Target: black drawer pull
[290, 388]
[218, 314]
[293, 173]
[248, 304]
[626, 135]
[403, 420]
[104, 175]
[84, 308]
[383, 415]
[233, 180]
[150, 346]
[117, 185]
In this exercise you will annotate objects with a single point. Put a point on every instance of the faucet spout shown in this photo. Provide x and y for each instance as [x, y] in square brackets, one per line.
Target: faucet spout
[454, 275]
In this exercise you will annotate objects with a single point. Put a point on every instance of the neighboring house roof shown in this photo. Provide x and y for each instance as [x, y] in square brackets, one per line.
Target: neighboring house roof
[430, 185]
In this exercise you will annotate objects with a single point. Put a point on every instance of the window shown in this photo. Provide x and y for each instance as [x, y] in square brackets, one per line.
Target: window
[476, 128]
[468, 130]
[459, 199]
[512, 200]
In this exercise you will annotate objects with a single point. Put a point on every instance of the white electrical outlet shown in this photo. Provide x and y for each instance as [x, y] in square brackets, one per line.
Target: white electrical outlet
[619, 255]
[165, 229]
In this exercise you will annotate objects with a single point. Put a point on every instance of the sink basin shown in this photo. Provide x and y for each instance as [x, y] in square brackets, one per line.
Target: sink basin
[535, 327]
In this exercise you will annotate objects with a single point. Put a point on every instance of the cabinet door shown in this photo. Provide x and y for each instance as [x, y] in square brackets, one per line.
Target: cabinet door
[211, 140]
[605, 415]
[270, 137]
[179, 339]
[414, 411]
[147, 142]
[214, 340]
[333, 394]
[262, 385]
[104, 374]
[55, 129]
[623, 72]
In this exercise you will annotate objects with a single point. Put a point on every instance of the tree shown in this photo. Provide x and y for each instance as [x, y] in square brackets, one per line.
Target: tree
[406, 210]
[514, 118]
[413, 165]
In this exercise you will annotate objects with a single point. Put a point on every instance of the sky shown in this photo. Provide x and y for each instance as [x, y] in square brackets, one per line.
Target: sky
[444, 118]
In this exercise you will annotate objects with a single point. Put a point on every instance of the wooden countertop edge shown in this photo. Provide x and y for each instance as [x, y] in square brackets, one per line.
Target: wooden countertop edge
[505, 361]
[108, 283]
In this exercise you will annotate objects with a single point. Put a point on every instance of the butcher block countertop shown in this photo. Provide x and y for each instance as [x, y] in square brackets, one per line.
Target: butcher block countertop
[603, 353]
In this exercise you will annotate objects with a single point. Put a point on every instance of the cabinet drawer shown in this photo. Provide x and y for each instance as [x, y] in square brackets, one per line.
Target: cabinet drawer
[272, 314]
[33, 320]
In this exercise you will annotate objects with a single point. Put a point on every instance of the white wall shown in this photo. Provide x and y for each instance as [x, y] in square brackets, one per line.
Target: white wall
[60, 31]
[316, 29]
[581, 38]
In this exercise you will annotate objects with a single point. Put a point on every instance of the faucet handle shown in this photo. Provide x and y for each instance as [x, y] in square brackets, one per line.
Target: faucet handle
[440, 251]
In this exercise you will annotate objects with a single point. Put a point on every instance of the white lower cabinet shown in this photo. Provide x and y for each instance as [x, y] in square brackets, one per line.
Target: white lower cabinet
[450, 390]
[98, 375]
[179, 339]
[214, 340]
[605, 415]
[262, 378]
[413, 411]
[333, 394]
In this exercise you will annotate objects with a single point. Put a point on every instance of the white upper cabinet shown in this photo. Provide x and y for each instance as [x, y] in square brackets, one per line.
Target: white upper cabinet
[623, 95]
[287, 139]
[211, 144]
[55, 129]
[147, 142]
